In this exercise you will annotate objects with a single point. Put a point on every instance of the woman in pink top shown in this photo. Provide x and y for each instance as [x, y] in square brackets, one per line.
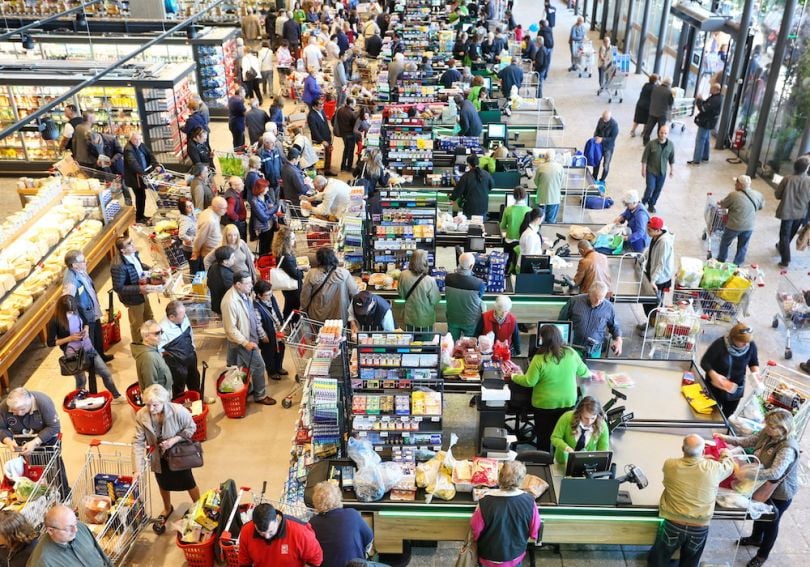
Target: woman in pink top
[505, 520]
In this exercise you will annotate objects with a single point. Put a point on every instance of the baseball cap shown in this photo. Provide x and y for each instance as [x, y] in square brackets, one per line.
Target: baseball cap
[363, 303]
[656, 223]
[630, 198]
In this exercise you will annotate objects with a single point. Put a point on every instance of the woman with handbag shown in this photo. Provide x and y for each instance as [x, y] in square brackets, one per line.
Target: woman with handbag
[284, 251]
[777, 449]
[505, 519]
[420, 292]
[161, 425]
[69, 332]
[269, 316]
[327, 290]
[242, 257]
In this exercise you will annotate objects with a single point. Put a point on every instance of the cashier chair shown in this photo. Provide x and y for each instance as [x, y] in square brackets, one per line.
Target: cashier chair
[519, 414]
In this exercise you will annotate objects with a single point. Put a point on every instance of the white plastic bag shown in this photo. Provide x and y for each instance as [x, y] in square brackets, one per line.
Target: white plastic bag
[150, 208]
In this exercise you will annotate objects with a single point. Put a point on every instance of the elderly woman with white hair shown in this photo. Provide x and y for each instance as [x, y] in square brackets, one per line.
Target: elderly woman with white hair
[341, 531]
[420, 292]
[242, 256]
[501, 322]
[162, 424]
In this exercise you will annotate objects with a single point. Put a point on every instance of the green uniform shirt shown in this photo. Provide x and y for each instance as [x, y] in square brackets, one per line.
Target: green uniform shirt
[512, 218]
[554, 383]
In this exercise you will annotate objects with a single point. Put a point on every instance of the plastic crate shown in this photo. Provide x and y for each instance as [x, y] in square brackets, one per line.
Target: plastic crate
[90, 422]
[198, 554]
[234, 404]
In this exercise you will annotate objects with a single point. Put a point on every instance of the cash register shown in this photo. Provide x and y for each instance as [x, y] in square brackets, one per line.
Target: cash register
[535, 275]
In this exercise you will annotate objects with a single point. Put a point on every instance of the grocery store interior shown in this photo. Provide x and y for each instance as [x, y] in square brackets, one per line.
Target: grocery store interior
[260, 449]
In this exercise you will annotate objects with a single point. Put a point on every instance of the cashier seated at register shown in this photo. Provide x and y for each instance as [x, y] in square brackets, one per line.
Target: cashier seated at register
[370, 312]
[581, 429]
[592, 318]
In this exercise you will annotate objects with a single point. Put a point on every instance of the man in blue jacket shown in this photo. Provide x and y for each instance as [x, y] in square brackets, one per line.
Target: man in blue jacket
[637, 218]
[468, 119]
[271, 160]
[511, 75]
[575, 40]
[450, 76]
[126, 273]
[78, 283]
[607, 129]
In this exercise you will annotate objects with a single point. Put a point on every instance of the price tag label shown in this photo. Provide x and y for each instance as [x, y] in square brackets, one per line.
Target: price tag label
[383, 434]
[435, 419]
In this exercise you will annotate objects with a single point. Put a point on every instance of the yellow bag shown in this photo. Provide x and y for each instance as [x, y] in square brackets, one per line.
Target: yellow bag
[734, 289]
[698, 399]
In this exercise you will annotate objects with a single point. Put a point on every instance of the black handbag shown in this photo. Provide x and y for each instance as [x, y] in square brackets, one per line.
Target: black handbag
[74, 361]
[184, 455]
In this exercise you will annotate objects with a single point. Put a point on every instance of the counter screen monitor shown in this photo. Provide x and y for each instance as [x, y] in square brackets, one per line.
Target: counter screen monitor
[487, 83]
[565, 328]
[585, 464]
[539, 264]
[496, 132]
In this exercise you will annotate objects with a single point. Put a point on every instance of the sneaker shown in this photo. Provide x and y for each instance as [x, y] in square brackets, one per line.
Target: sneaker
[757, 561]
[651, 208]
[209, 400]
[750, 541]
[692, 162]
[266, 401]
[804, 367]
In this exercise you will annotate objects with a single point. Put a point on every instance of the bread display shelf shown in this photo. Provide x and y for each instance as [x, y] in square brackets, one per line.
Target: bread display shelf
[35, 320]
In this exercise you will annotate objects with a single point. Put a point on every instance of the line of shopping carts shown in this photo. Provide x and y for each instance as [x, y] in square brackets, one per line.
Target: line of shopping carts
[615, 77]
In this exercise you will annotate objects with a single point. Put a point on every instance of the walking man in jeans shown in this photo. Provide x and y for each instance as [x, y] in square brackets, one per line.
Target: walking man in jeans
[793, 194]
[706, 120]
[687, 504]
[657, 155]
[742, 204]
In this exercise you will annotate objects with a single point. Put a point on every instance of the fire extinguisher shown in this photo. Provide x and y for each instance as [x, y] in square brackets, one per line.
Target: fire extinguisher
[740, 135]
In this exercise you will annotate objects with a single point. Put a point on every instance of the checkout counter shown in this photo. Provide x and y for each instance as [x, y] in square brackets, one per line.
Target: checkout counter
[662, 419]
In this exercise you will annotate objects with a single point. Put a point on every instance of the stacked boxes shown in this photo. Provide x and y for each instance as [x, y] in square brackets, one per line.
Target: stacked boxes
[491, 268]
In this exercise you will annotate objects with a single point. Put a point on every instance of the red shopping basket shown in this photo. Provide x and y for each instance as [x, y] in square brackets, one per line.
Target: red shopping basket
[90, 422]
[264, 264]
[230, 549]
[134, 396]
[201, 420]
[111, 330]
[235, 403]
[198, 554]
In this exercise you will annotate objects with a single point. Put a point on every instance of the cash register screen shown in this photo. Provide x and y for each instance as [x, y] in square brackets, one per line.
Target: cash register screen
[488, 83]
[563, 326]
[496, 132]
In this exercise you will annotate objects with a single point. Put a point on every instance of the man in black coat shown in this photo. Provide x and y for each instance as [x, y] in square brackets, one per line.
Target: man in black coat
[321, 133]
[373, 46]
[547, 33]
[541, 61]
[291, 31]
[138, 161]
[706, 120]
[607, 129]
[344, 127]
[292, 179]
[468, 120]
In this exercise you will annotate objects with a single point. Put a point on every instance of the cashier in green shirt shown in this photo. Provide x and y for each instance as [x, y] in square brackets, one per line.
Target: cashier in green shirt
[552, 375]
[581, 429]
[511, 219]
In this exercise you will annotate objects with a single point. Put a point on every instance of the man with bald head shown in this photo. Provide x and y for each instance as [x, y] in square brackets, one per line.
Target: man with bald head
[209, 231]
[706, 120]
[592, 268]
[687, 504]
[67, 542]
[659, 154]
[607, 129]
[463, 292]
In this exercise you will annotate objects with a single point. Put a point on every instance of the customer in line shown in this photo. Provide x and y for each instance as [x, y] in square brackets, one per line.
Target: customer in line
[327, 290]
[471, 193]
[742, 205]
[127, 273]
[236, 213]
[726, 362]
[209, 229]
[84, 290]
[202, 193]
[242, 330]
[592, 267]
[658, 156]
[502, 323]
[267, 162]
[67, 541]
[187, 229]
[236, 119]
[220, 277]
[637, 218]
[659, 261]
[68, 331]
[593, 318]
[29, 417]
[778, 451]
[162, 424]
[293, 183]
[793, 194]
[268, 314]
[255, 120]
[199, 148]
[18, 538]
[321, 133]
[284, 252]
[263, 210]
[371, 173]
[176, 342]
[341, 531]
[552, 375]
[463, 292]
[273, 539]
[420, 292]
[549, 180]
[150, 366]
[505, 519]
[344, 126]
[690, 483]
[582, 429]
[242, 256]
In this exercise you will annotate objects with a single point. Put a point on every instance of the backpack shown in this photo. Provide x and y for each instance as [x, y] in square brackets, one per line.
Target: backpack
[250, 75]
[48, 129]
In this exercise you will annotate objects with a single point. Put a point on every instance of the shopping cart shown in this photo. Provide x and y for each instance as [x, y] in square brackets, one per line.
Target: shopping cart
[681, 108]
[529, 87]
[103, 188]
[676, 332]
[584, 60]
[231, 163]
[162, 253]
[793, 310]
[46, 482]
[615, 83]
[311, 231]
[192, 291]
[110, 470]
[716, 218]
[169, 186]
[300, 334]
[720, 305]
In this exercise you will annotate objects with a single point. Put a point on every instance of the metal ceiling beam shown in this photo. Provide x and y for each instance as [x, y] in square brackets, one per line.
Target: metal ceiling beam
[37, 23]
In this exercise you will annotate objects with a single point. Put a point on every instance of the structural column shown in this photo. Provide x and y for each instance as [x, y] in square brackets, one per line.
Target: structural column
[734, 84]
[645, 21]
[770, 88]
[662, 33]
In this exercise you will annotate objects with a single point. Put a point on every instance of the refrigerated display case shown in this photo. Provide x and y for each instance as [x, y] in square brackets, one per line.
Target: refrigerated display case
[152, 99]
[215, 54]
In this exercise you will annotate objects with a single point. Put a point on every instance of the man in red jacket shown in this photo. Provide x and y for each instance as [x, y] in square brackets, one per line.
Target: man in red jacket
[502, 323]
[275, 540]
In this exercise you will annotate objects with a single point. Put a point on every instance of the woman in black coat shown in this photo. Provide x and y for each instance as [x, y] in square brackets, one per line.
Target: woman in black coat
[199, 150]
[473, 189]
[271, 319]
[284, 251]
[726, 362]
[642, 112]
[220, 277]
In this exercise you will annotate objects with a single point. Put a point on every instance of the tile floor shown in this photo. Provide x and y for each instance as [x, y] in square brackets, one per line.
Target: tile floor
[255, 449]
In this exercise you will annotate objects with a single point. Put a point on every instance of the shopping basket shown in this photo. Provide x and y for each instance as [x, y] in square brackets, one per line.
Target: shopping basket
[111, 328]
[90, 422]
[198, 554]
[234, 403]
[263, 266]
[200, 420]
[46, 471]
[134, 397]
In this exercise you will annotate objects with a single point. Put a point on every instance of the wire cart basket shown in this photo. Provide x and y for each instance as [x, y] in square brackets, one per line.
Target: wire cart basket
[681, 109]
[311, 231]
[720, 305]
[716, 218]
[793, 310]
[46, 471]
[300, 334]
[616, 78]
[192, 291]
[585, 59]
[676, 333]
[169, 186]
[110, 469]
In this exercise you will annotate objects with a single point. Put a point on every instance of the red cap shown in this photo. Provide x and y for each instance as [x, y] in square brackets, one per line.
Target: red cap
[656, 223]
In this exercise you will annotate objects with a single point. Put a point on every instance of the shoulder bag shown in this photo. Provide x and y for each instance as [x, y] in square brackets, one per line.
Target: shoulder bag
[468, 555]
[184, 455]
[318, 289]
[73, 362]
[281, 280]
[414, 286]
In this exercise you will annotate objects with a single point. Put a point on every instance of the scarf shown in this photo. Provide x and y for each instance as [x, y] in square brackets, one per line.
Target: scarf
[733, 349]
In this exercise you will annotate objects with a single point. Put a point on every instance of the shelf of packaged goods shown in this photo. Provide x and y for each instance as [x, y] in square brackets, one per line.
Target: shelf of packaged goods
[35, 319]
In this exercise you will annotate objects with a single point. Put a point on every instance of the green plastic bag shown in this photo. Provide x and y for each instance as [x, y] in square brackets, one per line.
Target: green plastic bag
[609, 243]
[714, 276]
